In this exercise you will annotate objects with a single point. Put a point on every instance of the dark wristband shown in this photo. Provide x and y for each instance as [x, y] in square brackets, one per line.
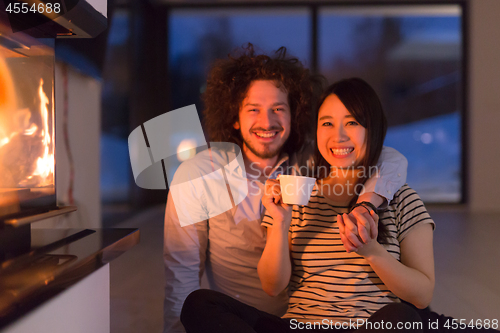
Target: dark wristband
[365, 204]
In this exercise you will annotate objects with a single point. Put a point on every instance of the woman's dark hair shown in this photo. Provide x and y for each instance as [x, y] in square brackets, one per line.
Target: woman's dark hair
[228, 83]
[363, 103]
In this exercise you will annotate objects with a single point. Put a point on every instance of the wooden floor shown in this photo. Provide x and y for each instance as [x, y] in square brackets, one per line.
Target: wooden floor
[467, 260]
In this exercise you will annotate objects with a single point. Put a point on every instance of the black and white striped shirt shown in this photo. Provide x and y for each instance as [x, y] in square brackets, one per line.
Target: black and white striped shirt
[327, 282]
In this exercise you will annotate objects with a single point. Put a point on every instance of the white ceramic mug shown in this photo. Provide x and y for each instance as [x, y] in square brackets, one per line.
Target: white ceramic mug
[296, 190]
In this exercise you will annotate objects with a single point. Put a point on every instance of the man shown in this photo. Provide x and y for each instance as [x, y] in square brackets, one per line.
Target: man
[265, 106]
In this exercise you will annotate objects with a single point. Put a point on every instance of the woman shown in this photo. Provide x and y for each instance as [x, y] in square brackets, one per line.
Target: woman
[310, 248]
[397, 264]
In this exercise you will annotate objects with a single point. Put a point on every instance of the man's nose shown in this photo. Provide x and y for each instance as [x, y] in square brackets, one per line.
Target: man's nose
[266, 118]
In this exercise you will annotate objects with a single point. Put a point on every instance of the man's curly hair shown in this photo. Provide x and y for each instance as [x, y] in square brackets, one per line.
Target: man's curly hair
[228, 83]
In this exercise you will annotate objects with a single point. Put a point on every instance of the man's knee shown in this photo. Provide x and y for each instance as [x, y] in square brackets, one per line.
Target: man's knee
[399, 314]
[198, 301]
[200, 296]
[192, 304]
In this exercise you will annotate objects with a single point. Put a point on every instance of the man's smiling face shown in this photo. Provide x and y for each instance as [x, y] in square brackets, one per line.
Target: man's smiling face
[264, 119]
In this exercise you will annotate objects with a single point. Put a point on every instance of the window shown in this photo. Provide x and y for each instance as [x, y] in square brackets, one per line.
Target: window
[198, 37]
[412, 55]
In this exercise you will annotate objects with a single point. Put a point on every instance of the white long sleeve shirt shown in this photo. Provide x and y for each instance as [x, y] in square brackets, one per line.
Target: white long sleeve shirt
[228, 246]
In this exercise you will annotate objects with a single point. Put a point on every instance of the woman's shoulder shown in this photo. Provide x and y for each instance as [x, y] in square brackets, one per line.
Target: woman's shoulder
[405, 200]
[404, 195]
[407, 210]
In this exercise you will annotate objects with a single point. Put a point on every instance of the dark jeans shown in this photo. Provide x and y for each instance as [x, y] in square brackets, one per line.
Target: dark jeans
[209, 311]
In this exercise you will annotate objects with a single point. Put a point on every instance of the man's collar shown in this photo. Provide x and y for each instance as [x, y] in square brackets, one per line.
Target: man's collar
[282, 159]
[281, 166]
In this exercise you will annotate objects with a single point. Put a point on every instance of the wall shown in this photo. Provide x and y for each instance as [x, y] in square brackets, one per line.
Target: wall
[62, 314]
[84, 128]
[484, 106]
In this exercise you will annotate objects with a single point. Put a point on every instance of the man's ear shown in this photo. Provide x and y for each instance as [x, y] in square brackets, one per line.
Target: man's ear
[236, 125]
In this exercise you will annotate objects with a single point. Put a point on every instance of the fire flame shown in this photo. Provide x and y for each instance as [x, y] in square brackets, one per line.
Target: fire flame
[45, 163]
[7, 101]
[22, 135]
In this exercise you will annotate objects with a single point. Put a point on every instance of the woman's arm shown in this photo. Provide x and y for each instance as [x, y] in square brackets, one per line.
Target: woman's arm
[412, 279]
[275, 267]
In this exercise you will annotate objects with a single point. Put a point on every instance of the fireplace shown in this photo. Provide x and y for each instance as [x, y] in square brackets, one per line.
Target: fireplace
[27, 113]
[27, 138]
[38, 264]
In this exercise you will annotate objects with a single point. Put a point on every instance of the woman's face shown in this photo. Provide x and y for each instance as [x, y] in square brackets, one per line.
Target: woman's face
[341, 139]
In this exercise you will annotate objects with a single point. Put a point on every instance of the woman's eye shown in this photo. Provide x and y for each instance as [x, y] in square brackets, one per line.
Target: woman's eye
[279, 109]
[327, 124]
[352, 123]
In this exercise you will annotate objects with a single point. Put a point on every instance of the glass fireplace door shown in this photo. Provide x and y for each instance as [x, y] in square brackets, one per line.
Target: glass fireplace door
[27, 164]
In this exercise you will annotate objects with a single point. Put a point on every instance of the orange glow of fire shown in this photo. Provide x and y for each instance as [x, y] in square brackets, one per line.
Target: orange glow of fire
[7, 101]
[45, 163]
[18, 130]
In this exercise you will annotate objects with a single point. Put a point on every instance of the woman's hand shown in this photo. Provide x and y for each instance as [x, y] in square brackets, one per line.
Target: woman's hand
[358, 230]
[277, 209]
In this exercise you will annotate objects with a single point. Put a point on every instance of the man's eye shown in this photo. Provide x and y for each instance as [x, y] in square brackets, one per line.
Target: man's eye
[253, 110]
[279, 109]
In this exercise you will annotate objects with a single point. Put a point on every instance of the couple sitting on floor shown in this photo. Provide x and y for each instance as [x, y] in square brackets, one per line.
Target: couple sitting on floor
[344, 264]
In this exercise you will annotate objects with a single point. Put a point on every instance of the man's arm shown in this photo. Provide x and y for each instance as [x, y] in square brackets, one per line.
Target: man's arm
[386, 178]
[184, 254]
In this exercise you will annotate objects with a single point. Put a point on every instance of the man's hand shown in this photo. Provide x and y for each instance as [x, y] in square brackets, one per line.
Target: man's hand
[358, 228]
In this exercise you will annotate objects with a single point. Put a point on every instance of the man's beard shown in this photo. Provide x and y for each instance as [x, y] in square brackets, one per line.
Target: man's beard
[266, 153]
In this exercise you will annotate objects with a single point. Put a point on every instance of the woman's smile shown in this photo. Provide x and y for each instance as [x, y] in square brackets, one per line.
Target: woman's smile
[342, 152]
